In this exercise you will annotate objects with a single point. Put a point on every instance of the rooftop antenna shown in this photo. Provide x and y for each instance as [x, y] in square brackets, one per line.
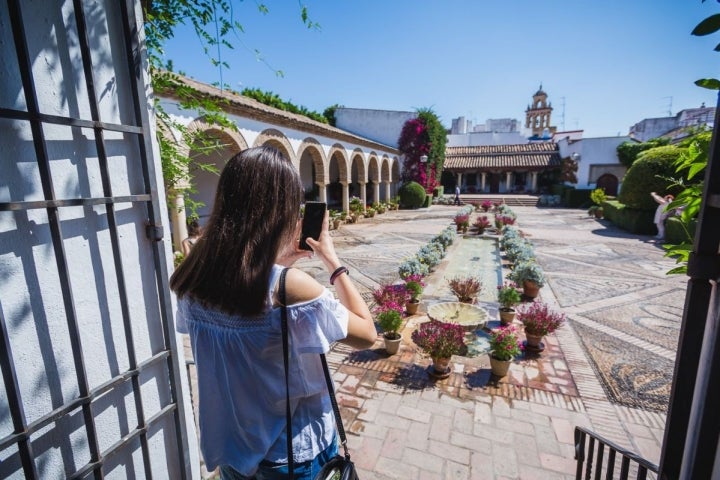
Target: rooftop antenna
[562, 117]
[669, 110]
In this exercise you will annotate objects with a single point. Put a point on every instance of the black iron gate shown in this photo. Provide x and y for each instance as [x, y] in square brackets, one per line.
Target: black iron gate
[118, 400]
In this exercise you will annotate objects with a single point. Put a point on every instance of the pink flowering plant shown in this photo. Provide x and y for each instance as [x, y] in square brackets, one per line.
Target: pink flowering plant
[508, 294]
[462, 219]
[504, 343]
[486, 205]
[391, 294]
[539, 319]
[439, 339]
[414, 285]
[482, 222]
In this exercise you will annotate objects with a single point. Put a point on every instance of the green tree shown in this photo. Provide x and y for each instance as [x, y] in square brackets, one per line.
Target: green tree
[213, 22]
[628, 152]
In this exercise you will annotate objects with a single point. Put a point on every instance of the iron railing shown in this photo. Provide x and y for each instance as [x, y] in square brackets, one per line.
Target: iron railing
[591, 455]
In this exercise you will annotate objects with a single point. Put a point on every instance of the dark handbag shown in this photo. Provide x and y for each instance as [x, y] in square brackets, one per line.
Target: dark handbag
[340, 467]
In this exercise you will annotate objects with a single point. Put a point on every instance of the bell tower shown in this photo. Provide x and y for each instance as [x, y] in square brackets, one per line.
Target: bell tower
[537, 116]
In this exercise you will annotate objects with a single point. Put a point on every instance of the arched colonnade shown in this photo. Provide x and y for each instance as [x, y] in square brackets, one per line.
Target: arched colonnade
[331, 171]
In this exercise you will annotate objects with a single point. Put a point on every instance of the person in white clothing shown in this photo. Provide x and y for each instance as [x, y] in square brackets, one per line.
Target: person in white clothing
[660, 213]
[228, 303]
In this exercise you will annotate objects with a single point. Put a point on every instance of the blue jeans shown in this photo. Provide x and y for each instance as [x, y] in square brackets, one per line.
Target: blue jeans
[279, 471]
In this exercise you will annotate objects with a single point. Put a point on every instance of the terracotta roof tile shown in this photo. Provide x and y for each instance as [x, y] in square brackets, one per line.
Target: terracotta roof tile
[532, 156]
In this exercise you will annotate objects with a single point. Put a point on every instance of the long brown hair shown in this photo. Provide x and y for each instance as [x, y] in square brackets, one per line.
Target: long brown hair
[257, 205]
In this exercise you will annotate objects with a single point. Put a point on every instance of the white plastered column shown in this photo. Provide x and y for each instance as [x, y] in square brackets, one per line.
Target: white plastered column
[363, 193]
[482, 184]
[345, 197]
[387, 190]
[322, 192]
[533, 180]
[459, 180]
[376, 191]
[178, 218]
[508, 178]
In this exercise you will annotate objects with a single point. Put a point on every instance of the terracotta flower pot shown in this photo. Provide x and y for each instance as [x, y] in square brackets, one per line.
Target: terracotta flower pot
[507, 315]
[441, 365]
[412, 307]
[530, 289]
[533, 342]
[498, 367]
[392, 345]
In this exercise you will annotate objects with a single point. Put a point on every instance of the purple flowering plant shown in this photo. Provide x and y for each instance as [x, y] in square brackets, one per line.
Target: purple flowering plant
[504, 343]
[482, 222]
[486, 205]
[539, 319]
[462, 219]
[396, 293]
[439, 339]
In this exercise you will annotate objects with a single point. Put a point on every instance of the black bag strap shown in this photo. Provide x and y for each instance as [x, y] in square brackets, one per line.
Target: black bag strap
[328, 381]
[284, 328]
[336, 410]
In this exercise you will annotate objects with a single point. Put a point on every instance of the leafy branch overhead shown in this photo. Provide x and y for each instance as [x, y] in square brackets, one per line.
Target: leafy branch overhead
[708, 26]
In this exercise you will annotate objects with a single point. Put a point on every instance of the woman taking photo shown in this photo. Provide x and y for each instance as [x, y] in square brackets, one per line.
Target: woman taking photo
[227, 291]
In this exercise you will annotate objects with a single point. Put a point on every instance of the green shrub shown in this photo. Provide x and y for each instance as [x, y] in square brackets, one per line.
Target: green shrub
[630, 219]
[598, 196]
[649, 173]
[438, 191]
[628, 152]
[412, 195]
[675, 232]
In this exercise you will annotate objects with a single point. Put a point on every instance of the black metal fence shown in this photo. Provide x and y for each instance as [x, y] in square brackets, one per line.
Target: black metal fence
[143, 386]
[598, 458]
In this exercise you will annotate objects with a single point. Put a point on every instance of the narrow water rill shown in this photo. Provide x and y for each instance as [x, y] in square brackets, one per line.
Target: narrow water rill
[480, 258]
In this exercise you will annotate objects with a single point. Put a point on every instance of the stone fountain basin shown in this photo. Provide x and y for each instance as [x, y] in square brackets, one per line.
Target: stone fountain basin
[470, 316]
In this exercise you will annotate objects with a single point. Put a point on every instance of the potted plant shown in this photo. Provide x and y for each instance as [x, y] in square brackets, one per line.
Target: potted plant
[508, 296]
[466, 288]
[462, 221]
[530, 275]
[598, 196]
[481, 223]
[414, 285]
[504, 347]
[539, 320]
[486, 205]
[440, 341]
[389, 317]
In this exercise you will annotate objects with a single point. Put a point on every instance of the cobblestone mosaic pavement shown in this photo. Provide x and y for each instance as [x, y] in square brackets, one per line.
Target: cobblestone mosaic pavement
[625, 309]
[609, 369]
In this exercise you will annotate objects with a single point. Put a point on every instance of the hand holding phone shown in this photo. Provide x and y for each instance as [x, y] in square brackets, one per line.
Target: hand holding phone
[312, 223]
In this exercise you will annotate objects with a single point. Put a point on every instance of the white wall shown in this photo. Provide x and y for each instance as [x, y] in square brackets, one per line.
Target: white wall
[383, 126]
[32, 304]
[594, 152]
[474, 139]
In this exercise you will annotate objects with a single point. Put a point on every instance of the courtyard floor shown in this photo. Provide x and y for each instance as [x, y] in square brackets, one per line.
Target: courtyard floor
[608, 369]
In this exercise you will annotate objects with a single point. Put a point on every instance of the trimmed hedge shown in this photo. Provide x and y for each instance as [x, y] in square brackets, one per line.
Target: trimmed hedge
[648, 174]
[631, 219]
[675, 233]
[412, 195]
[438, 191]
[577, 198]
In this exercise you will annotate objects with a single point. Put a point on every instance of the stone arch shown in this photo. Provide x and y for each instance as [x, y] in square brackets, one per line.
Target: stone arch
[311, 163]
[609, 182]
[385, 169]
[233, 137]
[373, 167]
[338, 177]
[358, 175]
[395, 167]
[275, 138]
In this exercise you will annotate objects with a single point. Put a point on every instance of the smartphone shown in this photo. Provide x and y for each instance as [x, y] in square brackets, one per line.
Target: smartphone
[312, 222]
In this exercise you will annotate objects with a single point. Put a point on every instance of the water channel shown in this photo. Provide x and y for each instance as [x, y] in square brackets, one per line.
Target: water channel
[477, 256]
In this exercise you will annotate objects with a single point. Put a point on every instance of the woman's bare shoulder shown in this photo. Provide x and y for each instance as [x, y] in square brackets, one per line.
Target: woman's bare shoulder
[301, 287]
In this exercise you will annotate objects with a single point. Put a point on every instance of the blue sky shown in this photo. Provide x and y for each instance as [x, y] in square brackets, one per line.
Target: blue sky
[615, 62]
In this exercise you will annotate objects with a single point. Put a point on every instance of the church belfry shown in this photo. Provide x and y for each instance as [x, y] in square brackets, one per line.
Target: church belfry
[537, 116]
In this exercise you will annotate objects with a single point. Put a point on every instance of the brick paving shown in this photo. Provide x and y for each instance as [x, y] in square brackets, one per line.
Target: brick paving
[403, 424]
